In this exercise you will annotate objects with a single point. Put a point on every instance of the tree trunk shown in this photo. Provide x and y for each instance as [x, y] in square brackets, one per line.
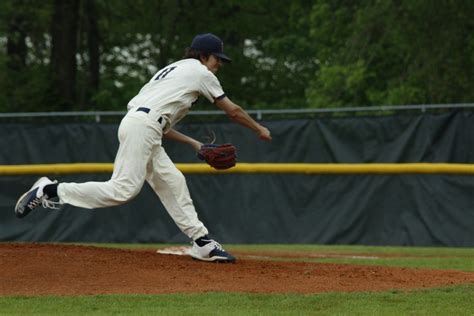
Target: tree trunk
[93, 44]
[16, 45]
[63, 52]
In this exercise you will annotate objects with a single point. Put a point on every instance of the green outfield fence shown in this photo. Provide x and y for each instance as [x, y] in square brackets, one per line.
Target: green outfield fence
[403, 179]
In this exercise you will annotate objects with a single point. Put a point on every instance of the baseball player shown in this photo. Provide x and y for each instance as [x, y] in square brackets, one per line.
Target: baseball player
[152, 114]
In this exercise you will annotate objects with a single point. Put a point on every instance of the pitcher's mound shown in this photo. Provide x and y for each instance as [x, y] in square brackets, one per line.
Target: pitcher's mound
[46, 269]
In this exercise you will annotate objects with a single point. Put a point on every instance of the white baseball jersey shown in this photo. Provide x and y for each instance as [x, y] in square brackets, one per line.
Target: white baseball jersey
[174, 89]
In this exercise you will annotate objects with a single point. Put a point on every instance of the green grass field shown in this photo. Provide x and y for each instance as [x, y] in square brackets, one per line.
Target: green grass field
[457, 300]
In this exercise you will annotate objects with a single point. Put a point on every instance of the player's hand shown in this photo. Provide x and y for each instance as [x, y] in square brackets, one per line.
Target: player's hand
[264, 134]
[196, 145]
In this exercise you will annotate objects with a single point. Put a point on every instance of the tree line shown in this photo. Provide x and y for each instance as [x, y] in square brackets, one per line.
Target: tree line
[96, 54]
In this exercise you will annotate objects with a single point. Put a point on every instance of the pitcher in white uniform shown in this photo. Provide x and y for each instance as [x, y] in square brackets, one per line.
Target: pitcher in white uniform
[152, 114]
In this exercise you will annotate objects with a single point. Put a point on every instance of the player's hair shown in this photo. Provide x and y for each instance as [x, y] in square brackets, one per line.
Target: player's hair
[195, 53]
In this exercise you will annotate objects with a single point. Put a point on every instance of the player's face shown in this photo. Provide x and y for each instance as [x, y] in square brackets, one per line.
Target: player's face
[213, 63]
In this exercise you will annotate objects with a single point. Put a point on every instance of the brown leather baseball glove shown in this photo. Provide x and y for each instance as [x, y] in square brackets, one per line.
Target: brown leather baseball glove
[221, 156]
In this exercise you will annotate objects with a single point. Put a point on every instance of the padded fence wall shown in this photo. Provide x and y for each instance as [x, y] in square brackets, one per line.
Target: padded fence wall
[406, 209]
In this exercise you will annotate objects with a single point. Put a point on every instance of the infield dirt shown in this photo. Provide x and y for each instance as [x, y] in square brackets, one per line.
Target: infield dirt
[51, 269]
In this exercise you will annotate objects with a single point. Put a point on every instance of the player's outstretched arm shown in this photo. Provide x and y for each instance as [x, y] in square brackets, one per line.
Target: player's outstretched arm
[238, 115]
[180, 137]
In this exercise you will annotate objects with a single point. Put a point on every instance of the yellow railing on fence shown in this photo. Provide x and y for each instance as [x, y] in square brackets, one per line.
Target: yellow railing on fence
[303, 168]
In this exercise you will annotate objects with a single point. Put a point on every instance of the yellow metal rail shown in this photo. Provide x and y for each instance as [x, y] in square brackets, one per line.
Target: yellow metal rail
[302, 168]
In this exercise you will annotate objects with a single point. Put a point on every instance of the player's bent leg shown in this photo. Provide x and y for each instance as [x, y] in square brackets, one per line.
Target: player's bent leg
[87, 195]
[137, 138]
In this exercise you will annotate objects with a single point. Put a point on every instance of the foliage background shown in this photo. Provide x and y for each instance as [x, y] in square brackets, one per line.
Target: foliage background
[96, 54]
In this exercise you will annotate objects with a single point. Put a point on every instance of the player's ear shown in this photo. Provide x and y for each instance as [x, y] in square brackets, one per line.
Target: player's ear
[203, 57]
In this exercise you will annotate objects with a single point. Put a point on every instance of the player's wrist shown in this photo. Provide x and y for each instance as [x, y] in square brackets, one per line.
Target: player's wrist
[196, 145]
[264, 133]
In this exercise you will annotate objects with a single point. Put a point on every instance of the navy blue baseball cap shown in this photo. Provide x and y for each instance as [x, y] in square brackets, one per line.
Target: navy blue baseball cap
[210, 43]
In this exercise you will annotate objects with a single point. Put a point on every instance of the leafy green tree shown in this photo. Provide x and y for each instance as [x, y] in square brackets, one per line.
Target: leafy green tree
[392, 52]
[297, 53]
[24, 72]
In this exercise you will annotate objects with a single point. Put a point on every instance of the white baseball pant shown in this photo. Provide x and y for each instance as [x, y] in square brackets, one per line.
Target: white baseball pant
[140, 157]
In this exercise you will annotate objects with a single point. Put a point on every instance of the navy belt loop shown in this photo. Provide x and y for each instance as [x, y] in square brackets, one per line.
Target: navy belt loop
[147, 110]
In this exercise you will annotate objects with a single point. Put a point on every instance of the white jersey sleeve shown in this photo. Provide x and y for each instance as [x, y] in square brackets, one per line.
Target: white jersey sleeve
[210, 87]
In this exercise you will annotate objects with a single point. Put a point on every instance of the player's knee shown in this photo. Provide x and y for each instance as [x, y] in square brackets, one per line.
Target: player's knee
[127, 195]
[178, 179]
[126, 191]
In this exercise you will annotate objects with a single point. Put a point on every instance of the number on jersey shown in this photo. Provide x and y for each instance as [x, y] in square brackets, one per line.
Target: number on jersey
[164, 73]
